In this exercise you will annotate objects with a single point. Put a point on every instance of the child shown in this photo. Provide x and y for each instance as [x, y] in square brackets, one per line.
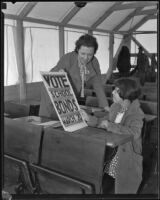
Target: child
[125, 117]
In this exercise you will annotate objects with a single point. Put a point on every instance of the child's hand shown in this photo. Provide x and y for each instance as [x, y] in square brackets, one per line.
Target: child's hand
[84, 115]
[61, 70]
[103, 124]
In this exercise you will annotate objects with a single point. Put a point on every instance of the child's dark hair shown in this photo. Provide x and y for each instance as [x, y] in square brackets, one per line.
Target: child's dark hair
[88, 41]
[129, 88]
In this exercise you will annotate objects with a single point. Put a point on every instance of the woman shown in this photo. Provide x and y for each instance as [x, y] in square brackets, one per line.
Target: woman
[83, 70]
[125, 117]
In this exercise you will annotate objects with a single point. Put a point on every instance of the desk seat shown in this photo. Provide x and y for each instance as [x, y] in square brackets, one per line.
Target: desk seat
[22, 139]
[21, 147]
[15, 109]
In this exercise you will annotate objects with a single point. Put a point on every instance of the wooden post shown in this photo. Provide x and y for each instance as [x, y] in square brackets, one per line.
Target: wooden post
[61, 41]
[19, 46]
[110, 69]
[90, 32]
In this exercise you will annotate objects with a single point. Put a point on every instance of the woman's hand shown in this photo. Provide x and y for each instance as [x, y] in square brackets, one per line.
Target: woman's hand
[106, 108]
[85, 115]
[103, 124]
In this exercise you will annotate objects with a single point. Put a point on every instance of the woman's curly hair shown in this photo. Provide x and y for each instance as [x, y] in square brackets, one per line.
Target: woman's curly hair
[88, 41]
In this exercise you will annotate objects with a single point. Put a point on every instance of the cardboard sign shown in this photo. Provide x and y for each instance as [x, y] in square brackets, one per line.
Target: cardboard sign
[64, 101]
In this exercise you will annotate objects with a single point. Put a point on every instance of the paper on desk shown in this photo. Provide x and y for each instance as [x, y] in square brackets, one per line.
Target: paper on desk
[93, 109]
[51, 123]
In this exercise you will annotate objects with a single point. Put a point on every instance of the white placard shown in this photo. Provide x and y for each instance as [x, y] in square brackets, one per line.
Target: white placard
[63, 99]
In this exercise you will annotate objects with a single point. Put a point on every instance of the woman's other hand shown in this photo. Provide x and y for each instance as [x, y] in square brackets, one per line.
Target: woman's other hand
[103, 124]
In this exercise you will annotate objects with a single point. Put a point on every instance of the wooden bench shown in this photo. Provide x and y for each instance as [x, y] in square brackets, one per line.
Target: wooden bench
[15, 110]
[22, 108]
[148, 107]
[149, 95]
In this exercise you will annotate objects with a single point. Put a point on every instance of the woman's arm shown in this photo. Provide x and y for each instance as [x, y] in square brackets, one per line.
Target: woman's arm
[97, 85]
[99, 90]
[91, 120]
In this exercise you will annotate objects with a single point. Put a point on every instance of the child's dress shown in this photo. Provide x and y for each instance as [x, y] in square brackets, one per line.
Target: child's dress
[110, 167]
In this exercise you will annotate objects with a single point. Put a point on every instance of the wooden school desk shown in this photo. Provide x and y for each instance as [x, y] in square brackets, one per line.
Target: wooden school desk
[71, 162]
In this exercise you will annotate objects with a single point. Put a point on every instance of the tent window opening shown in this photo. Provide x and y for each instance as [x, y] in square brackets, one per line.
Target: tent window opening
[102, 53]
[41, 49]
[70, 37]
[10, 62]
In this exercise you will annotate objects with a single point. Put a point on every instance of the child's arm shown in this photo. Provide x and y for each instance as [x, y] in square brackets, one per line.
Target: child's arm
[134, 127]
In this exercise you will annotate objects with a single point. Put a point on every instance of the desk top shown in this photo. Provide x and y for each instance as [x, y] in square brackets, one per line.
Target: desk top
[26, 102]
[150, 117]
[111, 139]
[42, 121]
[6, 114]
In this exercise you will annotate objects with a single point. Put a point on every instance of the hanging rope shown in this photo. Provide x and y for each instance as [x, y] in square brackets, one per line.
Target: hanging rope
[67, 41]
[7, 55]
[31, 55]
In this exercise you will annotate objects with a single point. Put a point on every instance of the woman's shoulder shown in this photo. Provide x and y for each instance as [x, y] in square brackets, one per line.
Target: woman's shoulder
[95, 60]
[68, 58]
[71, 54]
[71, 57]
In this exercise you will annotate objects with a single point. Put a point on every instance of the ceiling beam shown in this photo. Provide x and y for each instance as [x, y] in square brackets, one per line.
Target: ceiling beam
[70, 15]
[136, 12]
[27, 9]
[105, 15]
[136, 5]
[130, 16]
[10, 16]
[144, 32]
[51, 23]
[140, 45]
[141, 22]
[88, 28]
[46, 22]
